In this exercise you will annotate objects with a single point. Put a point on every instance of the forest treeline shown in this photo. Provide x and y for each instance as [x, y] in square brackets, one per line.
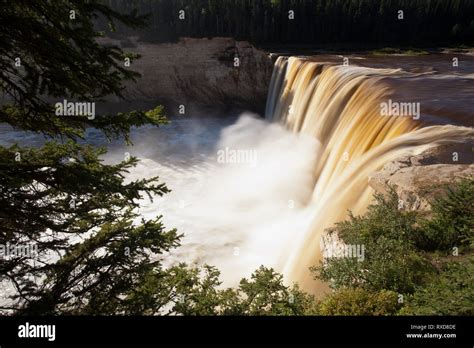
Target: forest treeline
[313, 22]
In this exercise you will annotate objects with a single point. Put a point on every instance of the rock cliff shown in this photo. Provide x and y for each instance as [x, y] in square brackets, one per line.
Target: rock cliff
[200, 73]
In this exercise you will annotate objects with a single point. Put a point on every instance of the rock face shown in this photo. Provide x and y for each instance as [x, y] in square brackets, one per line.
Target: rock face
[200, 73]
[418, 179]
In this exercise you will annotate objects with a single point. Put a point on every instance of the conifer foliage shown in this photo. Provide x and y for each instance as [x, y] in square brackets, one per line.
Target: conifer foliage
[60, 197]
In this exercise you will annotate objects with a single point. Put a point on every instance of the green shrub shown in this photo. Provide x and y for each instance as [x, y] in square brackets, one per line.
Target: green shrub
[452, 221]
[450, 293]
[402, 252]
[390, 262]
[357, 301]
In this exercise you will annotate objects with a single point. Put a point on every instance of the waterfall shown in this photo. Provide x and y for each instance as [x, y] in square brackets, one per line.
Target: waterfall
[340, 106]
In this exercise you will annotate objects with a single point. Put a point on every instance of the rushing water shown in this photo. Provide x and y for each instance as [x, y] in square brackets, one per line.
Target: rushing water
[236, 215]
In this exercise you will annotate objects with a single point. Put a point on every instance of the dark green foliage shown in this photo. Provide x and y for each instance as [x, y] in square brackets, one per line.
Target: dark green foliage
[263, 294]
[383, 219]
[319, 22]
[452, 223]
[54, 202]
[397, 258]
[451, 292]
[181, 290]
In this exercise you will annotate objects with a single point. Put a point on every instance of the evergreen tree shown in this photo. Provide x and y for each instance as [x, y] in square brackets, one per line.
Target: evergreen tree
[61, 198]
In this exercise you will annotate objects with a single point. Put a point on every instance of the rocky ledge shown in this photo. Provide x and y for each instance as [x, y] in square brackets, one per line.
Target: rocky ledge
[418, 179]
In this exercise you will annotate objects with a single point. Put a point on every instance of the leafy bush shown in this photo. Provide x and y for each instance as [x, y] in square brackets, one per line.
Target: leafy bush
[402, 257]
[452, 223]
[358, 301]
[450, 293]
[198, 291]
[391, 261]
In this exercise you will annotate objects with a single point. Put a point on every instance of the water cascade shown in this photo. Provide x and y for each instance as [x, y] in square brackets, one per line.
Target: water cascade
[340, 106]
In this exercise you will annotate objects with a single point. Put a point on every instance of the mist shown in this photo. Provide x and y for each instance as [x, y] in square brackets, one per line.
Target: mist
[234, 214]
